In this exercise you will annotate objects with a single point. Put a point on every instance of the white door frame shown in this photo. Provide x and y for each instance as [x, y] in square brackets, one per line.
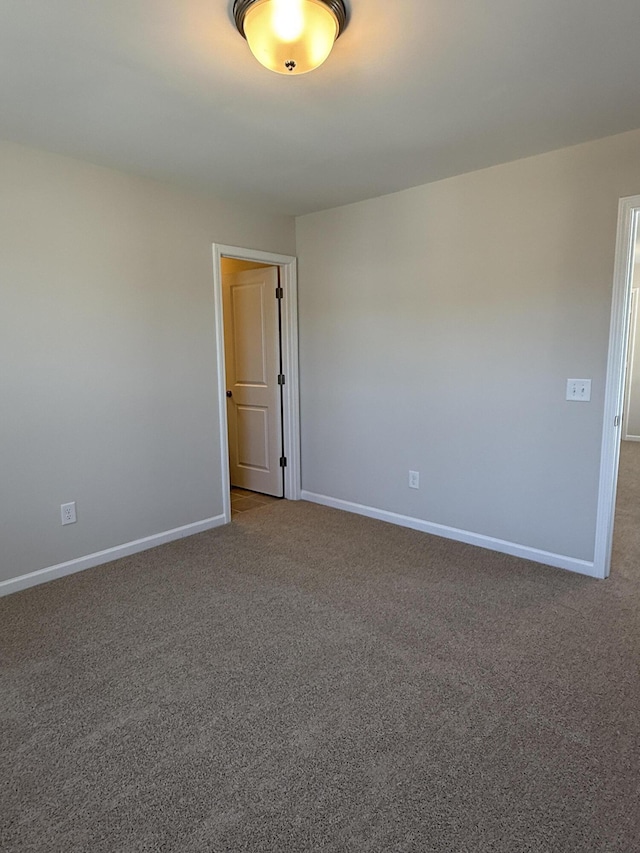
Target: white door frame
[289, 340]
[628, 217]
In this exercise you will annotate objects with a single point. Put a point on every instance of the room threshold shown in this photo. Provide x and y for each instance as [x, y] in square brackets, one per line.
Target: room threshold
[243, 500]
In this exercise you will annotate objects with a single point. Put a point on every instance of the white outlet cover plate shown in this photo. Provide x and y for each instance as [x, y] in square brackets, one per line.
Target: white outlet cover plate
[68, 513]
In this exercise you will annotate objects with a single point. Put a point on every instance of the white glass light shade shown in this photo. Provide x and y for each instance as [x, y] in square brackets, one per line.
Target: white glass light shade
[290, 36]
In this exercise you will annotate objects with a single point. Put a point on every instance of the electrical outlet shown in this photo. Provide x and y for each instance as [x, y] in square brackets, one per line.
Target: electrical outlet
[68, 513]
[414, 479]
[579, 390]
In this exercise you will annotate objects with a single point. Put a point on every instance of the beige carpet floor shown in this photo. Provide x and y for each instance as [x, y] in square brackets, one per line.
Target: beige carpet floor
[308, 680]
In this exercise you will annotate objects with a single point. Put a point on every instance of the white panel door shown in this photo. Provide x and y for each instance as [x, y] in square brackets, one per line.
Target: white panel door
[252, 356]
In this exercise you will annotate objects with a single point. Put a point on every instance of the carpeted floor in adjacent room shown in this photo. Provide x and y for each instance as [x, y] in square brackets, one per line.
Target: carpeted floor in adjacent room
[309, 680]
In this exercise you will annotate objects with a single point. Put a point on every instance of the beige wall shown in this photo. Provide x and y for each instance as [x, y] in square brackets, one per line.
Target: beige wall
[107, 354]
[438, 327]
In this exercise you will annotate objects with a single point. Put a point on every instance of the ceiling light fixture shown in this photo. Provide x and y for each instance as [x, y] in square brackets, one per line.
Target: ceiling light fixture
[290, 36]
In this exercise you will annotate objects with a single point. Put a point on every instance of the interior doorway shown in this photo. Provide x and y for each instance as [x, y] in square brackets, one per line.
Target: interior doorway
[631, 412]
[625, 553]
[256, 344]
[616, 413]
[253, 357]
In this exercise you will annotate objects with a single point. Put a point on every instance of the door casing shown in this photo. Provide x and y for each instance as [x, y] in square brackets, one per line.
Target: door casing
[289, 341]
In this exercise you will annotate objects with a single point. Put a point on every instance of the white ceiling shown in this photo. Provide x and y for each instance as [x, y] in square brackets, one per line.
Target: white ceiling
[414, 91]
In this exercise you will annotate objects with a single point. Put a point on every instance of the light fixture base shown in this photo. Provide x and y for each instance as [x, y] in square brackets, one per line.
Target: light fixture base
[241, 7]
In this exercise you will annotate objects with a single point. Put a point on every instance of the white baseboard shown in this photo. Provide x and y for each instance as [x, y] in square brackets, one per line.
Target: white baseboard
[99, 557]
[548, 558]
[632, 438]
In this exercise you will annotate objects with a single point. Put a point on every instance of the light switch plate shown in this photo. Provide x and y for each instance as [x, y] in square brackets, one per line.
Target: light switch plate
[579, 390]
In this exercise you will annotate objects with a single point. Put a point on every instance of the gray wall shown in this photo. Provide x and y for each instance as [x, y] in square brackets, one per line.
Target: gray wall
[438, 327]
[107, 354]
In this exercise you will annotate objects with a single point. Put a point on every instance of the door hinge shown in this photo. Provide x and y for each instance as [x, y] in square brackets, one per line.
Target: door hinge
[283, 461]
[281, 379]
[616, 421]
[279, 293]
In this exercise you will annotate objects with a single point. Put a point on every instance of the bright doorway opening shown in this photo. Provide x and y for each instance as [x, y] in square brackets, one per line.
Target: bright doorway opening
[615, 413]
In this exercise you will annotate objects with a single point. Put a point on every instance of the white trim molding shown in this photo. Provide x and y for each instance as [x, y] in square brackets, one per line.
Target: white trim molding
[291, 396]
[559, 561]
[628, 216]
[107, 556]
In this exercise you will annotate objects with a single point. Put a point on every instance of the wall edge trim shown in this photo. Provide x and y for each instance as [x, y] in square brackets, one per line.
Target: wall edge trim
[548, 558]
[90, 561]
